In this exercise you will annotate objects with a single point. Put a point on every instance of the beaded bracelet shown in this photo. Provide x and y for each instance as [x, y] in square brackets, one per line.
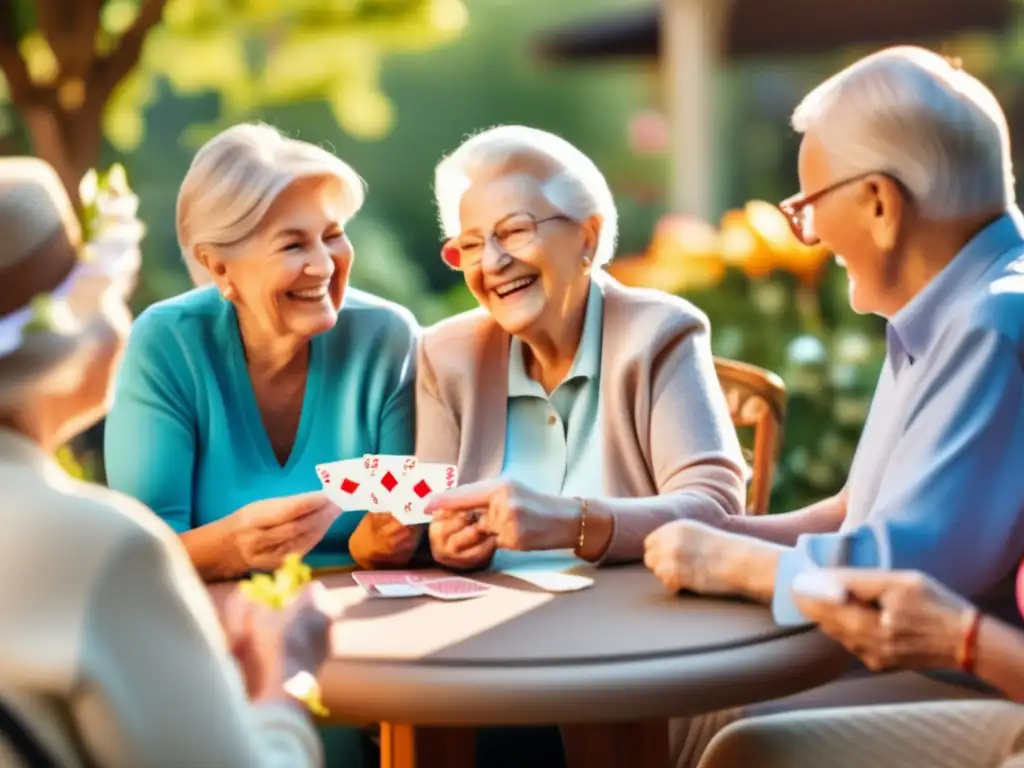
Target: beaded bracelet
[584, 506]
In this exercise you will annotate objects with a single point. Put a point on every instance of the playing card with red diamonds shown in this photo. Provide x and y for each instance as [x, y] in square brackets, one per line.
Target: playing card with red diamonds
[345, 484]
[386, 478]
[367, 579]
[454, 588]
[424, 479]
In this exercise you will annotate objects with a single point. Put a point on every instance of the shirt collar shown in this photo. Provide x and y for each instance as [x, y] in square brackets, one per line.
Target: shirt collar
[911, 329]
[585, 365]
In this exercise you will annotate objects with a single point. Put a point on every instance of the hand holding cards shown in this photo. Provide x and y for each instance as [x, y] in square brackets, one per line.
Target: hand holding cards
[821, 586]
[263, 532]
[398, 485]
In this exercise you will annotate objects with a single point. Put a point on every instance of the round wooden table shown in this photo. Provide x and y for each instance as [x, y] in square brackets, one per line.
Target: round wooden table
[611, 664]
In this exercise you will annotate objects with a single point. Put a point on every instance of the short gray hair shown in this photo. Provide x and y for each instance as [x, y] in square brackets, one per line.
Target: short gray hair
[913, 114]
[570, 180]
[234, 179]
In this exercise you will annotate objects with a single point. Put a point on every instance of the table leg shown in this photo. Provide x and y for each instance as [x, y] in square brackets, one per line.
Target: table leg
[641, 744]
[412, 746]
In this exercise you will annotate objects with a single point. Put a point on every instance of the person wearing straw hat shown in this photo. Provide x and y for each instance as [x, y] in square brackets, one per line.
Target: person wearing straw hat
[111, 652]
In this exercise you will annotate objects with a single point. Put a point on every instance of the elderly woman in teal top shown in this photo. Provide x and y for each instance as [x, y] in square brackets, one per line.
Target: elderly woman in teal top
[229, 395]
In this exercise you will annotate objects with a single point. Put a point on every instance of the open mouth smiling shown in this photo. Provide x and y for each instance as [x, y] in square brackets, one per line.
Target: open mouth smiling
[317, 293]
[514, 286]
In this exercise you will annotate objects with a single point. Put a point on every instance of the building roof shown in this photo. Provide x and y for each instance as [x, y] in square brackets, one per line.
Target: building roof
[783, 27]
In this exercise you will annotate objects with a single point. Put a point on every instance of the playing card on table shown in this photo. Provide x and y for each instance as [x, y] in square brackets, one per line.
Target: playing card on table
[422, 481]
[388, 583]
[552, 581]
[344, 483]
[376, 578]
[454, 588]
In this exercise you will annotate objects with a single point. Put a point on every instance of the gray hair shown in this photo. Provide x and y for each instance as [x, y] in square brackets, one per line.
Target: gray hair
[570, 180]
[234, 179]
[913, 114]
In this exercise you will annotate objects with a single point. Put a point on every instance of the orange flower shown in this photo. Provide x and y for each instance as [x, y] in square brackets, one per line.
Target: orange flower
[785, 252]
[743, 246]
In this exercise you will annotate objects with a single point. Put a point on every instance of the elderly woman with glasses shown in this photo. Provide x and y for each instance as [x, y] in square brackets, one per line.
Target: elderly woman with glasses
[582, 414]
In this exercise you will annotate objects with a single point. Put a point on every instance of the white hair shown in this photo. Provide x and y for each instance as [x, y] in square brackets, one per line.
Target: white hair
[570, 180]
[915, 115]
[234, 179]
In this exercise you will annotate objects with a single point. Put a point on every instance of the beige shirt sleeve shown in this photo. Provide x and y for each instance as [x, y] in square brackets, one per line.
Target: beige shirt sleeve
[438, 437]
[695, 455]
[156, 685]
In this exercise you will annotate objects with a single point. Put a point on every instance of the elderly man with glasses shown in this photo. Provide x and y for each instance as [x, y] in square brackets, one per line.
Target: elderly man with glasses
[905, 174]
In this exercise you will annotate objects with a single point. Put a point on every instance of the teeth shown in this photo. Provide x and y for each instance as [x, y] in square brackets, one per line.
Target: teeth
[311, 293]
[506, 289]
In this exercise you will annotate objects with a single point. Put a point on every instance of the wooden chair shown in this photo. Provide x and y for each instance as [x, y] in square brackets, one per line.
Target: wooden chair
[757, 401]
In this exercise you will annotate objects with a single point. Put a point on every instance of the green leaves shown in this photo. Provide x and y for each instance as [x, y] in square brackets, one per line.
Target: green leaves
[256, 53]
[253, 53]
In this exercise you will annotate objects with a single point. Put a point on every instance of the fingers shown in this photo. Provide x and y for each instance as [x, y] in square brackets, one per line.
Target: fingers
[868, 586]
[478, 554]
[465, 497]
[237, 618]
[466, 537]
[856, 626]
[291, 508]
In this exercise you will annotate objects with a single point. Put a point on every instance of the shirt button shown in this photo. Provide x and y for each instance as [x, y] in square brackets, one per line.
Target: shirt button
[552, 419]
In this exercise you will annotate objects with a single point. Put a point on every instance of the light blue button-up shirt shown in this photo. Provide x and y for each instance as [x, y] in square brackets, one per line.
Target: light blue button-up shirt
[553, 444]
[937, 483]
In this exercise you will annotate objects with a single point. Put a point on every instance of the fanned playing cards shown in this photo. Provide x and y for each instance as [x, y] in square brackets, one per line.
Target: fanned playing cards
[399, 485]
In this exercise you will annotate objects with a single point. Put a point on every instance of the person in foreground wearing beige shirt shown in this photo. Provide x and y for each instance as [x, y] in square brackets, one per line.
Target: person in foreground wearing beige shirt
[111, 653]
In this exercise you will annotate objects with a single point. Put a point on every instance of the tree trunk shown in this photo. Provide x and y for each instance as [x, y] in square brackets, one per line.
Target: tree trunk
[69, 141]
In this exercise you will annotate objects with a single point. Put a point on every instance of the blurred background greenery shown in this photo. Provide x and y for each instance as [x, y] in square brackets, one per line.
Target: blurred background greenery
[392, 85]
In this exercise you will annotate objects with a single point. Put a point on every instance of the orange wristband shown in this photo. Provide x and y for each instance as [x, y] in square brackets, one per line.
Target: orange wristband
[969, 645]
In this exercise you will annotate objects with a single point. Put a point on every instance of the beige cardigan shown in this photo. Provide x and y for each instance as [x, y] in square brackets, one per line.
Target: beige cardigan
[111, 653]
[670, 447]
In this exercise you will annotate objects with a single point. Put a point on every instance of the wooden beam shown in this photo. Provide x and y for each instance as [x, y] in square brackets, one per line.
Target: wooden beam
[692, 33]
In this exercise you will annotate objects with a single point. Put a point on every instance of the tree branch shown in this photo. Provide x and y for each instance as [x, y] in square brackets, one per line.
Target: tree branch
[13, 66]
[112, 68]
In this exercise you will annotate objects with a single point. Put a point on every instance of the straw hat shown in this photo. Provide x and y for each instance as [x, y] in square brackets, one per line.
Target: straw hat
[50, 298]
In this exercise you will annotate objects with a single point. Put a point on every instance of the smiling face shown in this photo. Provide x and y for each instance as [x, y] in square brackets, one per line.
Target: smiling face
[530, 285]
[859, 222]
[291, 276]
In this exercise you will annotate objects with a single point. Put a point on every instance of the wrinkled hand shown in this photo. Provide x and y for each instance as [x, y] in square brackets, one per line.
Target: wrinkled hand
[892, 619]
[518, 518]
[380, 539]
[264, 532]
[273, 645]
[459, 540]
[686, 554]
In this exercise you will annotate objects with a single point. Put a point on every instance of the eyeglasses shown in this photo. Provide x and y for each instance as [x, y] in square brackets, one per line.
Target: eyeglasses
[511, 234]
[799, 209]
